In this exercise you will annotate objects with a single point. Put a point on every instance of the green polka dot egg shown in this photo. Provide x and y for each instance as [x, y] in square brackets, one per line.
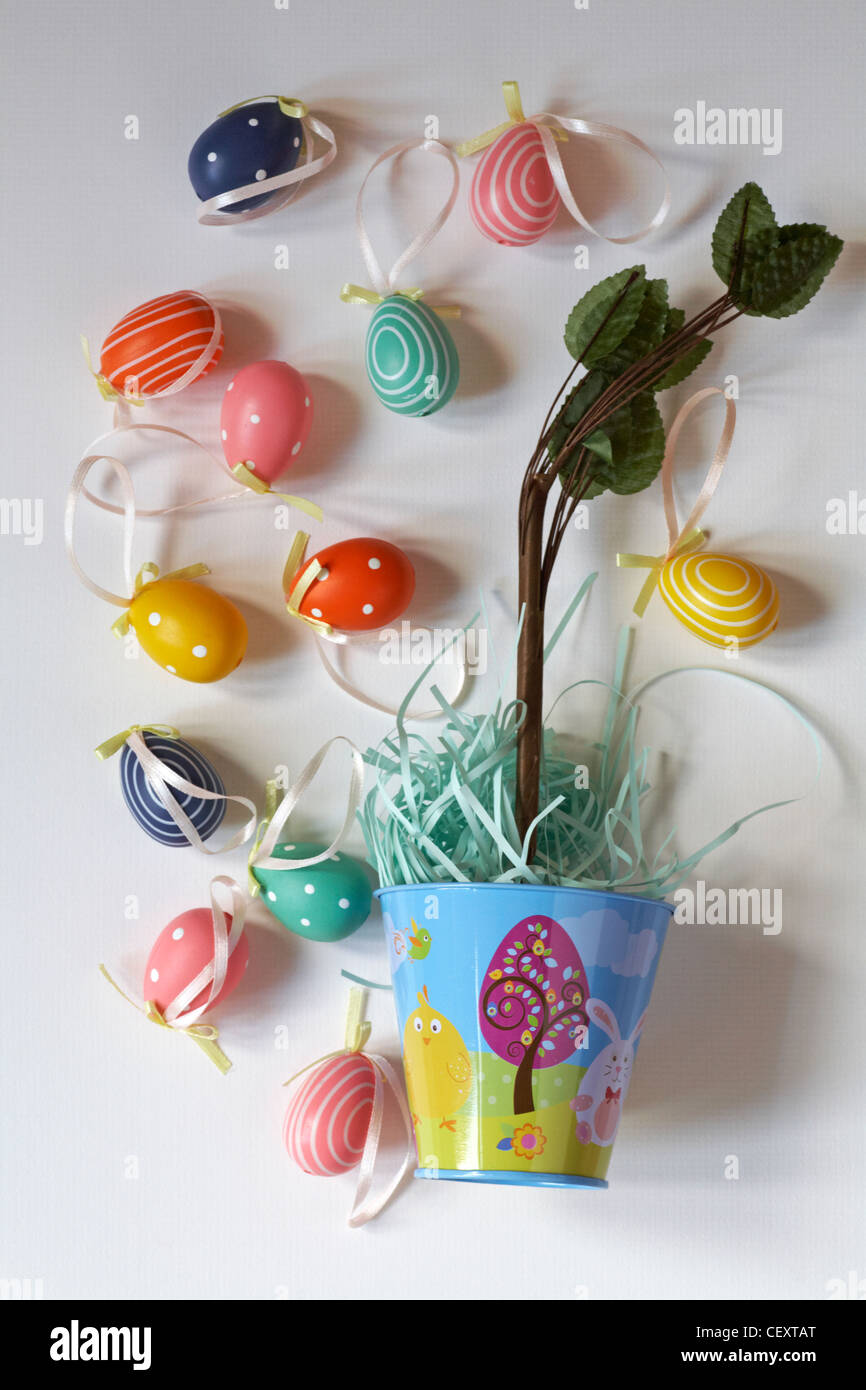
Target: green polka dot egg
[411, 358]
[324, 902]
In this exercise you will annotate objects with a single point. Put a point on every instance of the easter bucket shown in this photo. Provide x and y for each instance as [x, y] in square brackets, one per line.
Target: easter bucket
[520, 1009]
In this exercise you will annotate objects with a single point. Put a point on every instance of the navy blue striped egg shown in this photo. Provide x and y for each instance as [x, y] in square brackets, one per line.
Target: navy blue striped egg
[411, 358]
[244, 146]
[146, 807]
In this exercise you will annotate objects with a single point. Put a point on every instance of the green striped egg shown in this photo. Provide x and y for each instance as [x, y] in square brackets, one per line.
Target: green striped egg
[411, 358]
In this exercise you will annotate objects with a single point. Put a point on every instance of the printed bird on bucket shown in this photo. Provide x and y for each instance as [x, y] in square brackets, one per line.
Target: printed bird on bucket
[420, 943]
[437, 1065]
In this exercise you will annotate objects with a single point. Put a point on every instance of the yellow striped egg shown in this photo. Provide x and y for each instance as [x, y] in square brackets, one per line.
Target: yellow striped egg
[720, 598]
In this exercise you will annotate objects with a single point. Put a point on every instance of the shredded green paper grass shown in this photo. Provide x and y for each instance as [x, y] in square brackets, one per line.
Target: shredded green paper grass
[441, 810]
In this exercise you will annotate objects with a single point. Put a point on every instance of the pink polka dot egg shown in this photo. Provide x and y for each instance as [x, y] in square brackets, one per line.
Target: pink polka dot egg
[326, 1123]
[181, 951]
[266, 415]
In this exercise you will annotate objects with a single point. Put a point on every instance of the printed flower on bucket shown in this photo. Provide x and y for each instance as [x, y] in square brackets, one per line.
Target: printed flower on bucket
[528, 1141]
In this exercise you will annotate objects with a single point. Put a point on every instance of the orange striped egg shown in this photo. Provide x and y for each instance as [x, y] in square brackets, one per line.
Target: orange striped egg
[720, 599]
[162, 346]
[328, 1117]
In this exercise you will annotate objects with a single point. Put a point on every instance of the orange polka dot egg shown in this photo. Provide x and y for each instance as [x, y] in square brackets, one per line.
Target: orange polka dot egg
[723, 600]
[362, 584]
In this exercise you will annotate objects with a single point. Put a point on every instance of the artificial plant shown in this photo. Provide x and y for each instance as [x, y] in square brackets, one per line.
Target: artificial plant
[608, 435]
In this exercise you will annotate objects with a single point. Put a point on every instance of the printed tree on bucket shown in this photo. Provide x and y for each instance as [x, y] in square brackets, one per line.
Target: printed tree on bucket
[533, 1005]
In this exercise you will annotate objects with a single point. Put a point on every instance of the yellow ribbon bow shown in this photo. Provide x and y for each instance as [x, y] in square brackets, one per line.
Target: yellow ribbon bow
[147, 575]
[253, 885]
[204, 1035]
[114, 744]
[514, 107]
[358, 1030]
[685, 545]
[290, 106]
[295, 595]
[357, 294]
[106, 390]
[244, 474]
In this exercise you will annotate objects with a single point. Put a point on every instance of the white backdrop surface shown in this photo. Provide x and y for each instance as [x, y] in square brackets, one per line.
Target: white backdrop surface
[129, 1167]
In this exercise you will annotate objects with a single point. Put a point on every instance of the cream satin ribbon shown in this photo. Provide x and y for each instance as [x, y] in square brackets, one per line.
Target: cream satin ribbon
[176, 1015]
[212, 214]
[276, 815]
[192, 373]
[357, 1035]
[162, 778]
[385, 284]
[688, 538]
[240, 473]
[551, 129]
[326, 635]
[148, 572]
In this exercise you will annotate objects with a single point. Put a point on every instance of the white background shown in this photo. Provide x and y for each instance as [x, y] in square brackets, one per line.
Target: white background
[754, 1043]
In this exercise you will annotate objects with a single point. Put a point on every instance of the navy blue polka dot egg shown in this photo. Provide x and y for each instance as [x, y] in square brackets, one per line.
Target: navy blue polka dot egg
[146, 807]
[245, 145]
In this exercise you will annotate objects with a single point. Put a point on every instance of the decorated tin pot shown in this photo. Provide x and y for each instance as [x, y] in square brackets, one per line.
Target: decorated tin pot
[520, 1010]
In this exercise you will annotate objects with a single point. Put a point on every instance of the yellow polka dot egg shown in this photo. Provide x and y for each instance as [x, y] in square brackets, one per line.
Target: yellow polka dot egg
[720, 599]
[190, 631]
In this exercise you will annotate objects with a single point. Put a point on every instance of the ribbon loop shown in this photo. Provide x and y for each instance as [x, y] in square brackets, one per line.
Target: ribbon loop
[688, 538]
[385, 284]
[115, 743]
[271, 828]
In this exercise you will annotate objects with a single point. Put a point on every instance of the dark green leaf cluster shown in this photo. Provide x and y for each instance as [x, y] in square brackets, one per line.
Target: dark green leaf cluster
[770, 271]
[624, 324]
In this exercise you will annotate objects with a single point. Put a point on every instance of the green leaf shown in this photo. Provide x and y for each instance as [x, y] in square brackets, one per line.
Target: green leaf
[794, 270]
[637, 439]
[647, 332]
[686, 365]
[748, 216]
[676, 320]
[601, 319]
[577, 403]
[600, 444]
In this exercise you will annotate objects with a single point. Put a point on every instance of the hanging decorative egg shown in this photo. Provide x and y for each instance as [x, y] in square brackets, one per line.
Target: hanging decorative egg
[411, 359]
[720, 598]
[145, 805]
[328, 1117]
[190, 631]
[363, 584]
[250, 143]
[324, 902]
[513, 198]
[266, 416]
[162, 346]
[181, 951]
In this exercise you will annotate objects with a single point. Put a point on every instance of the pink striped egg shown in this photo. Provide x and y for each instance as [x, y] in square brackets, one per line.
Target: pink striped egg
[162, 346]
[328, 1116]
[513, 199]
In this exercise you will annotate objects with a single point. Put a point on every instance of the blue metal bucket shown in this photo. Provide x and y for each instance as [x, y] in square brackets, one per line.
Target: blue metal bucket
[520, 1010]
